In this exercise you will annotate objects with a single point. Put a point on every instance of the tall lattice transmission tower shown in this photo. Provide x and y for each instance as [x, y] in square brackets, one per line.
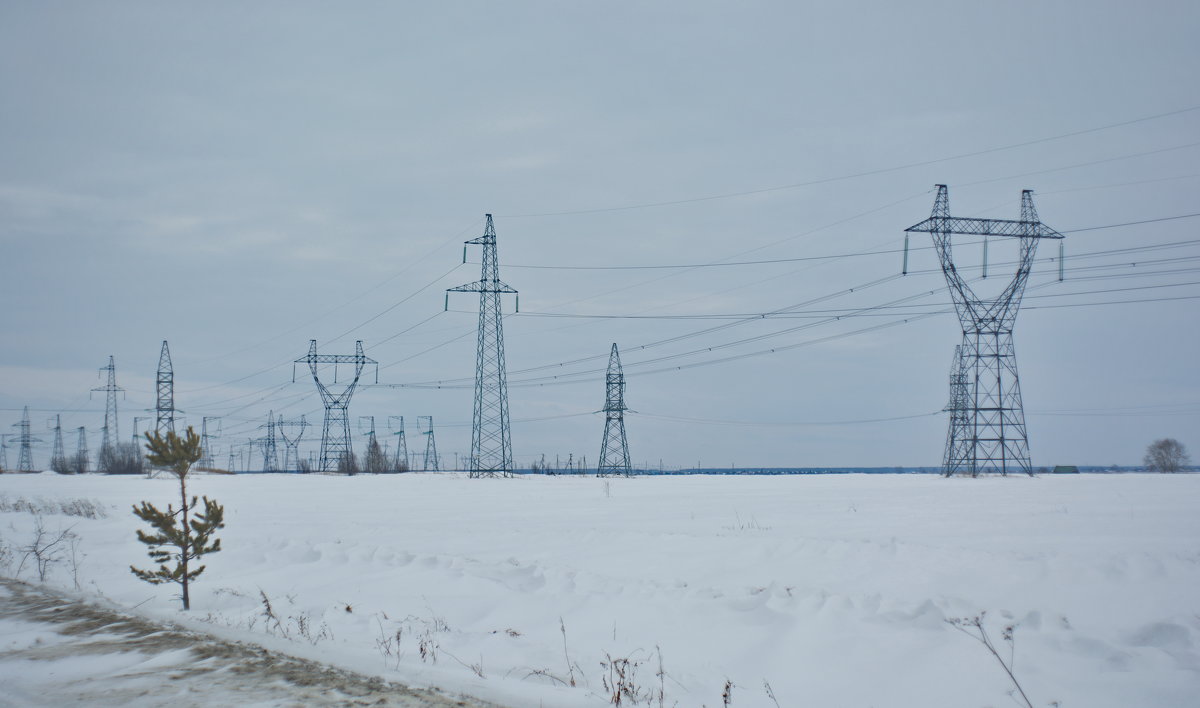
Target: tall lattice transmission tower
[267, 444]
[110, 432]
[291, 444]
[81, 451]
[992, 437]
[614, 450]
[26, 441]
[137, 420]
[366, 426]
[206, 438]
[958, 436]
[491, 442]
[58, 455]
[164, 411]
[430, 463]
[401, 460]
[336, 445]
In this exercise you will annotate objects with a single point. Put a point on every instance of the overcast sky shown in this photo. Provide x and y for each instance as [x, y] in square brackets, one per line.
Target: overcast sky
[240, 178]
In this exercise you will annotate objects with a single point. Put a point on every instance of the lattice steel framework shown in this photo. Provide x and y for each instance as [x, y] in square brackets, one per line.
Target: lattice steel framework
[614, 450]
[137, 420]
[958, 435]
[58, 455]
[81, 451]
[992, 437]
[401, 461]
[336, 443]
[26, 440]
[164, 412]
[267, 444]
[207, 461]
[111, 432]
[491, 442]
[430, 463]
[291, 445]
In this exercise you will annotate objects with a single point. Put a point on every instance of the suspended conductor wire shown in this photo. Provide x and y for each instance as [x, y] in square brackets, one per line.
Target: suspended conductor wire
[855, 175]
[453, 383]
[783, 424]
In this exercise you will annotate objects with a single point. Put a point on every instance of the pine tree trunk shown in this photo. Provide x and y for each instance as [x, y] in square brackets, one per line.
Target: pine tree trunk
[186, 541]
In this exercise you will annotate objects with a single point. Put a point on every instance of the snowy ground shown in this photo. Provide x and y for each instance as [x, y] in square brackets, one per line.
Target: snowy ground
[58, 651]
[835, 590]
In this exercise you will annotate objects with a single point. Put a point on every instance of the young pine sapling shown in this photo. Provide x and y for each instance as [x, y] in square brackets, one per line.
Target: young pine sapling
[181, 535]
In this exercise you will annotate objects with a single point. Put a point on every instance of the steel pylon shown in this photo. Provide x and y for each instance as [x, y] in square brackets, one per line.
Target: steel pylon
[268, 444]
[431, 462]
[26, 440]
[291, 445]
[58, 455]
[164, 412]
[992, 437]
[401, 459]
[111, 431]
[614, 450]
[206, 462]
[336, 444]
[491, 442]
[81, 450]
[958, 436]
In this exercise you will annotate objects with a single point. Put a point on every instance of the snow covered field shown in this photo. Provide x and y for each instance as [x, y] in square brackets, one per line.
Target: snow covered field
[832, 589]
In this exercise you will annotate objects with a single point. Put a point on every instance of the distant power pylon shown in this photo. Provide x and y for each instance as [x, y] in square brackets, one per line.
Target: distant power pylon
[111, 432]
[959, 435]
[291, 445]
[491, 443]
[81, 451]
[335, 435]
[401, 460]
[431, 456]
[614, 450]
[136, 420]
[4, 451]
[26, 440]
[58, 456]
[369, 429]
[266, 444]
[205, 437]
[994, 435]
[164, 419]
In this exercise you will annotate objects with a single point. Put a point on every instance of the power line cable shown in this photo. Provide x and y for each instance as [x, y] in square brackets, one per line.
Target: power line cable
[856, 175]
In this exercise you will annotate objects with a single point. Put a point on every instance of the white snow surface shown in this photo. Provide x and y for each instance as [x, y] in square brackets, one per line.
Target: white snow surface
[834, 589]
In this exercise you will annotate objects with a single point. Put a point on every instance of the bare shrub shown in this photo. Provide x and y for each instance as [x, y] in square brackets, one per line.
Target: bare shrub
[83, 508]
[61, 465]
[973, 628]
[620, 681]
[770, 693]
[348, 464]
[47, 548]
[121, 458]
[78, 464]
[6, 555]
[298, 625]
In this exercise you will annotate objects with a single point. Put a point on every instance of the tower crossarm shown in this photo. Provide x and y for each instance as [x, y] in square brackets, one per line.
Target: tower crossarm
[484, 286]
[984, 227]
[336, 359]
